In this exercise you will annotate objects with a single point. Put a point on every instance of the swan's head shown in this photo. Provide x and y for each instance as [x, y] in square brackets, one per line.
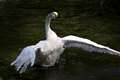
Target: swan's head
[53, 15]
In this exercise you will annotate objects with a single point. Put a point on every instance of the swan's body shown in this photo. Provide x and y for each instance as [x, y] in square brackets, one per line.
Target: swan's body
[47, 52]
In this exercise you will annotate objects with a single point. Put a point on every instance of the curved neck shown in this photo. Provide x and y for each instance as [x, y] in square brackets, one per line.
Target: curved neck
[47, 25]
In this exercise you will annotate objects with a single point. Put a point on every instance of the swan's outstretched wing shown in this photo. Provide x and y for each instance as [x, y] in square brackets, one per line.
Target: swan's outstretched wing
[25, 58]
[88, 45]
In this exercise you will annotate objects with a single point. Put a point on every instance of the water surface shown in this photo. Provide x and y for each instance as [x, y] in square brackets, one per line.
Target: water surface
[75, 64]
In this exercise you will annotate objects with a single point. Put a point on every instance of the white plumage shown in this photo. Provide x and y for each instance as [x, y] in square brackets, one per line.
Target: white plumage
[47, 52]
[88, 45]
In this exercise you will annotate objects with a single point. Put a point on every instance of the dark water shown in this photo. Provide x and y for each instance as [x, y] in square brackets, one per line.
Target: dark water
[68, 71]
[75, 64]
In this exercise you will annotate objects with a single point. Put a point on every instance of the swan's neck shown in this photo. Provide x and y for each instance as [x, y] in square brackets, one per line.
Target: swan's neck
[47, 26]
[49, 33]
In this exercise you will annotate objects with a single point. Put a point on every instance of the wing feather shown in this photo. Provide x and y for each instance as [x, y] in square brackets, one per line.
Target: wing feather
[88, 45]
[25, 58]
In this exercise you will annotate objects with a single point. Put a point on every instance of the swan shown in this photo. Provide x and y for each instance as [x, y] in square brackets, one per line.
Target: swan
[47, 52]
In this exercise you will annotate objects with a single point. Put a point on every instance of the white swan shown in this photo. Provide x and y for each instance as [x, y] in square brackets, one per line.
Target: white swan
[47, 52]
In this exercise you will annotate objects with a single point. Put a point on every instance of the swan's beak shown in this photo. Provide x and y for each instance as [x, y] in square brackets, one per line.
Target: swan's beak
[53, 15]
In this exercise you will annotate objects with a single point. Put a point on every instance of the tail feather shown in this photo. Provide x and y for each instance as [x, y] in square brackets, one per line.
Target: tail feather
[26, 58]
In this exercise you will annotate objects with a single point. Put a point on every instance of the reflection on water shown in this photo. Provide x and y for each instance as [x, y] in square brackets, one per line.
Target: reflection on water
[1, 78]
[74, 71]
